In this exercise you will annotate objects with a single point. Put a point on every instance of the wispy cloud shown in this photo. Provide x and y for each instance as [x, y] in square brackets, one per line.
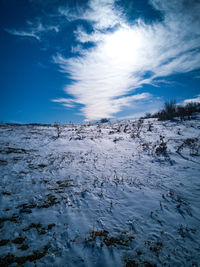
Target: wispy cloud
[126, 54]
[34, 29]
[101, 13]
[66, 102]
[21, 33]
[196, 99]
[120, 61]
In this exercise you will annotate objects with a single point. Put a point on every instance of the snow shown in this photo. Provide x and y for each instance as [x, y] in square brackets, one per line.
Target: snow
[104, 194]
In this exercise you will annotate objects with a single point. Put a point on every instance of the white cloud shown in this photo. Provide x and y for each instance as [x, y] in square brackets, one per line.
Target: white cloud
[83, 37]
[34, 29]
[31, 34]
[101, 13]
[192, 100]
[117, 65]
[66, 102]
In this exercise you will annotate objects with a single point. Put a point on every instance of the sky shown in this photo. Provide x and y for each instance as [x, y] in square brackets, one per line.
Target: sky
[83, 60]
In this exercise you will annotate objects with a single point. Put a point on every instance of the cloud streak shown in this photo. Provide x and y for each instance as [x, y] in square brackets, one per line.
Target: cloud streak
[22, 33]
[34, 30]
[66, 102]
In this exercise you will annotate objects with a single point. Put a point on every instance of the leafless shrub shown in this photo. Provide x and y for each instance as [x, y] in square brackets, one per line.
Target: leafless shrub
[150, 126]
[58, 129]
[192, 144]
[162, 146]
[126, 128]
[137, 129]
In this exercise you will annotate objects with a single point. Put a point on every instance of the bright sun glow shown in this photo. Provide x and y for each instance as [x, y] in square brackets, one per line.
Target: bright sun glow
[123, 45]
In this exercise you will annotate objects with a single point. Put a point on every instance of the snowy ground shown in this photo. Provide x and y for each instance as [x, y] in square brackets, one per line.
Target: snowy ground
[111, 194]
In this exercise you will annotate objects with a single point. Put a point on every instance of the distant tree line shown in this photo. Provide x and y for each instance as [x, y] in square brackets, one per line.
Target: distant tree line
[171, 110]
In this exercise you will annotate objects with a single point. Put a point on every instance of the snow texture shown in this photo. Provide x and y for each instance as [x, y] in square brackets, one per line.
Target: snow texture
[107, 194]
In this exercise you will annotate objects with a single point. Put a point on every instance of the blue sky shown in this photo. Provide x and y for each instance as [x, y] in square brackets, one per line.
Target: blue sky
[65, 61]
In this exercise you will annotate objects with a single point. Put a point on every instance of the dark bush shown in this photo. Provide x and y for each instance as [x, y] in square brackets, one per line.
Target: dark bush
[169, 110]
[148, 115]
[104, 120]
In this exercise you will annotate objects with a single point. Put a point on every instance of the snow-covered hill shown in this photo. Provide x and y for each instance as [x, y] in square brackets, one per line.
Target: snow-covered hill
[108, 194]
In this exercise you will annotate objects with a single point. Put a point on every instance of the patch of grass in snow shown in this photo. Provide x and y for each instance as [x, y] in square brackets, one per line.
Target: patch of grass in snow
[36, 255]
[154, 246]
[183, 231]
[19, 240]
[3, 162]
[134, 263]
[4, 242]
[192, 144]
[50, 201]
[39, 166]
[10, 150]
[5, 193]
[24, 247]
[65, 183]
[14, 218]
[27, 208]
[40, 229]
[61, 185]
[14, 150]
[180, 204]
[109, 240]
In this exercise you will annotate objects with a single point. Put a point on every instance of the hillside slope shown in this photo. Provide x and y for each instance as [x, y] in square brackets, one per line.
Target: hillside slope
[110, 194]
